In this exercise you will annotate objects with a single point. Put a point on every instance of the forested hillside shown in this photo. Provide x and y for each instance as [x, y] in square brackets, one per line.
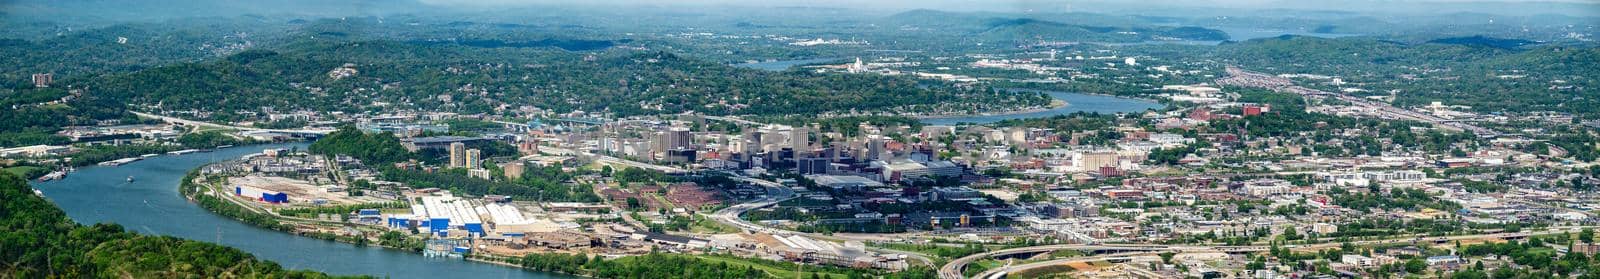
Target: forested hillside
[470, 79]
[37, 240]
[1009, 28]
[1488, 77]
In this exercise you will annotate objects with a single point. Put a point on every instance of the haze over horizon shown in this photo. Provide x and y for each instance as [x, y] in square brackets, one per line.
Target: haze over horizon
[139, 10]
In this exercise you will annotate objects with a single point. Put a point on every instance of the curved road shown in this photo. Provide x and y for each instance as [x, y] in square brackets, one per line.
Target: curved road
[176, 120]
[778, 193]
[1014, 268]
[953, 269]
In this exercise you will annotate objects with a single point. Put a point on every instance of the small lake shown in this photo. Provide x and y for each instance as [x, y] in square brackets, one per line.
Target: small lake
[151, 205]
[781, 65]
[1076, 102]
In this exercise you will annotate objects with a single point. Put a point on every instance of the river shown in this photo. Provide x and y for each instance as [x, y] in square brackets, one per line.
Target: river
[1076, 102]
[151, 205]
[781, 65]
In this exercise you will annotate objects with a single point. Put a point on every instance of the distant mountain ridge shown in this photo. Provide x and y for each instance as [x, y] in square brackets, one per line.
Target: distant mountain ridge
[1008, 27]
[1483, 41]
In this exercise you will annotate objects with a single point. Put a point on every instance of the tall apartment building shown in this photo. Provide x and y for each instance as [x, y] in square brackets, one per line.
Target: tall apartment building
[458, 155]
[474, 159]
[43, 80]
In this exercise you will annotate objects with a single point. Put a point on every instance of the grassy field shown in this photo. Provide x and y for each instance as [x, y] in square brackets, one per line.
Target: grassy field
[982, 265]
[26, 171]
[948, 252]
[706, 225]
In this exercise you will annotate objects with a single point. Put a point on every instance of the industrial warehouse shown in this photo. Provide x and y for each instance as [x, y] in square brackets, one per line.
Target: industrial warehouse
[440, 215]
[296, 186]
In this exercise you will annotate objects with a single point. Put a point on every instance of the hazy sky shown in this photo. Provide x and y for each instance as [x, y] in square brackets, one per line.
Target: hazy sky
[1133, 6]
[967, 3]
[161, 9]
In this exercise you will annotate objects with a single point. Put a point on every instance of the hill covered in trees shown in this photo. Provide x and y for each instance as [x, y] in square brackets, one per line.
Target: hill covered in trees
[1012, 28]
[1488, 75]
[466, 79]
[37, 240]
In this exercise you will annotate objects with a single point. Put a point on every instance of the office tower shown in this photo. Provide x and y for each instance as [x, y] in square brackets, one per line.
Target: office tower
[750, 144]
[875, 147]
[800, 142]
[658, 144]
[679, 138]
[833, 151]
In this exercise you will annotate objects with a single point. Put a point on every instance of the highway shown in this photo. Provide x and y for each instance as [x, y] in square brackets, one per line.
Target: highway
[609, 160]
[776, 193]
[1000, 272]
[1241, 77]
[954, 268]
[735, 120]
[187, 122]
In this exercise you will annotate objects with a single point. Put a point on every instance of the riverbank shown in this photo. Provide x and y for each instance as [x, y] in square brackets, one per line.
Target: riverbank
[229, 208]
[152, 205]
[1054, 104]
[84, 156]
[1073, 103]
[44, 242]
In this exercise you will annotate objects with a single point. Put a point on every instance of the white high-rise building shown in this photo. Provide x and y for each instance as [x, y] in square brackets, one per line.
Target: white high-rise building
[800, 142]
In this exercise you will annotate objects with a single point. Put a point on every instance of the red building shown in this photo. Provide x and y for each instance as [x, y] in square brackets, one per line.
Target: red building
[1251, 110]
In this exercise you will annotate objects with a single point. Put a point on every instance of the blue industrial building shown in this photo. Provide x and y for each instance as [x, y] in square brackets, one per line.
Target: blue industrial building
[261, 195]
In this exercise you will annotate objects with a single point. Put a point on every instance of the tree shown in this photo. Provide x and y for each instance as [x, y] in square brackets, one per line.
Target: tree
[1291, 234]
[1469, 274]
[380, 148]
[1416, 266]
[37, 240]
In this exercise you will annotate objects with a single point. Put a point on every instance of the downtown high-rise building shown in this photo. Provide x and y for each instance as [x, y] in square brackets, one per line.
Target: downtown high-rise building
[679, 138]
[800, 142]
[876, 145]
[672, 139]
